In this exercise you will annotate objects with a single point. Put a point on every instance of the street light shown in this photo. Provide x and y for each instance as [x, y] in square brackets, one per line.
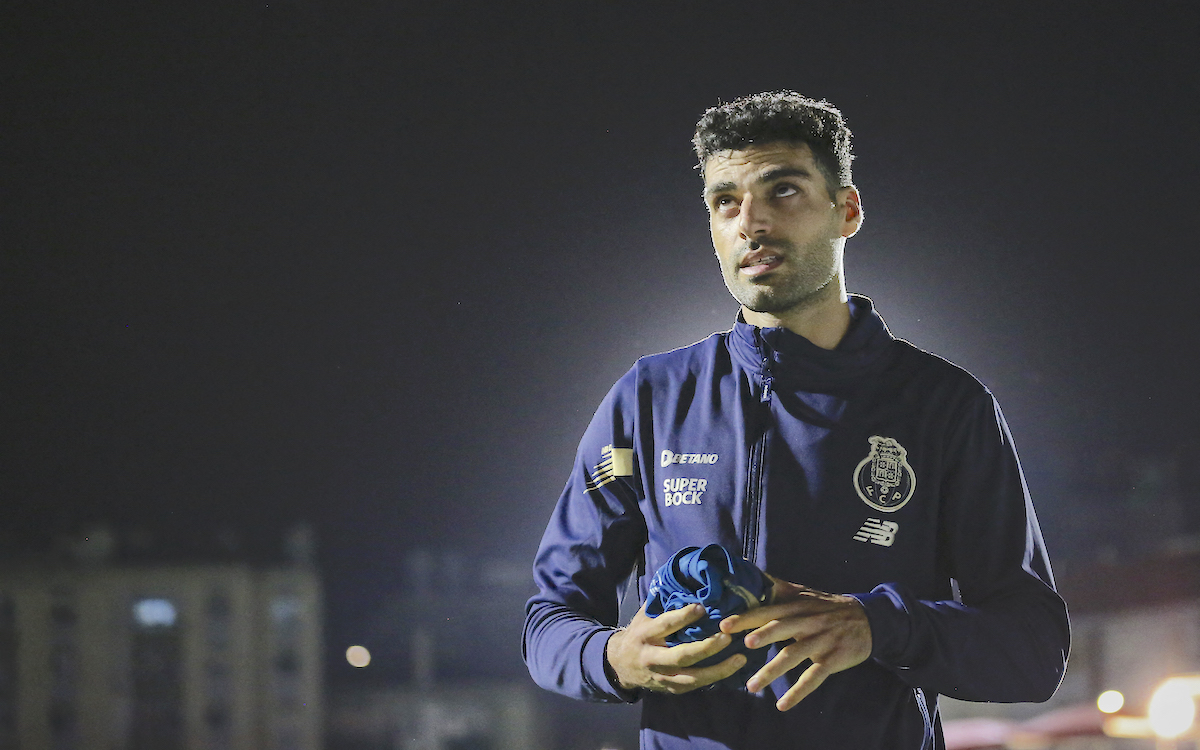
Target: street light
[1170, 715]
[1110, 701]
[1172, 710]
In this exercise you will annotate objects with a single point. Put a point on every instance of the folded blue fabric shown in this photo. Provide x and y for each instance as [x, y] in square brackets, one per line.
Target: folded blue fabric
[726, 585]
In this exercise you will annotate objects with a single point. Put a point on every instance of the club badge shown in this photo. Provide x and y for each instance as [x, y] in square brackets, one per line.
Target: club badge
[883, 479]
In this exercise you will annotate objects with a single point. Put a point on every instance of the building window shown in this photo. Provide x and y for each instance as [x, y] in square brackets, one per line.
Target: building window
[218, 724]
[154, 613]
[287, 611]
[218, 668]
[287, 662]
[64, 671]
[156, 668]
[219, 620]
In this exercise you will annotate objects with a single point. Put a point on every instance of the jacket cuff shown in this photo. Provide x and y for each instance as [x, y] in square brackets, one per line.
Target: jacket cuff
[597, 671]
[891, 624]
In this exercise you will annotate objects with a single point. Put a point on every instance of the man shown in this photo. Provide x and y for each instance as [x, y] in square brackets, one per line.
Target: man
[831, 455]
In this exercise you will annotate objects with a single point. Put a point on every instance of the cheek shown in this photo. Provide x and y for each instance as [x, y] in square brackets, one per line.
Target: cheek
[724, 241]
[721, 250]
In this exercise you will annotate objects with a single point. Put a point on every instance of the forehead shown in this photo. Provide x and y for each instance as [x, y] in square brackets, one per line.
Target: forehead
[744, 165]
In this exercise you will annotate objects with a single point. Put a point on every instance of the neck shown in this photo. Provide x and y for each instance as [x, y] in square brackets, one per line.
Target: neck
[823, 320]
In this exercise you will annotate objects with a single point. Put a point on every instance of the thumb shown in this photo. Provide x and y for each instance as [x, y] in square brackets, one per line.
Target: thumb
[669, 622]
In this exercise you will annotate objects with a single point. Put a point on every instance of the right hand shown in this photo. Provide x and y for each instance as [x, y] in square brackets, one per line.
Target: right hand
[640, 658]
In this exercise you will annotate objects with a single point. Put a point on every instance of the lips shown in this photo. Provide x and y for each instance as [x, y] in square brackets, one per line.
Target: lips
[758, 262]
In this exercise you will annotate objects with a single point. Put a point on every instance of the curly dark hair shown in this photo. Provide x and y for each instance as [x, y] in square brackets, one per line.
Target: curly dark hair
[779, 116]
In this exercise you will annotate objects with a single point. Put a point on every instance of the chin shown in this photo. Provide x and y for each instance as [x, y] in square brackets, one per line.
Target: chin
[765, 307]
[762, 300]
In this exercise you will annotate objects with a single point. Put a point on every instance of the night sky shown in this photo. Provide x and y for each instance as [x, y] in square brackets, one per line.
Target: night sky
[372, 266]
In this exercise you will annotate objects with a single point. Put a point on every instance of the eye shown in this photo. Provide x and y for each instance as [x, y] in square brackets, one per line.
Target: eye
[784, 190]
[722, 202]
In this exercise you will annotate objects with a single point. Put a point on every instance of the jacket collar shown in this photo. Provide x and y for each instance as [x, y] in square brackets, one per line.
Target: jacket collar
[792, 360]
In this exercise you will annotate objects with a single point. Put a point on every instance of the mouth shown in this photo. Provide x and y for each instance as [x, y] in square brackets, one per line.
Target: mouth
[759, 262]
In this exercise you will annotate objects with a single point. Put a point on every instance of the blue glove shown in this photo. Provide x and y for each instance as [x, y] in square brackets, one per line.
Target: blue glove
[726, 585]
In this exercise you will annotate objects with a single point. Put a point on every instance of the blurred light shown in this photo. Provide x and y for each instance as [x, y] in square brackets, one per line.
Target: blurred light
[1128, 727]
[151, 613]
[1110, 701]
[358, 656]
[1172, 709]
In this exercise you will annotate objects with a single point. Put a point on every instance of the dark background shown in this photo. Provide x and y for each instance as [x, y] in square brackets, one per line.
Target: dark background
[371, 266]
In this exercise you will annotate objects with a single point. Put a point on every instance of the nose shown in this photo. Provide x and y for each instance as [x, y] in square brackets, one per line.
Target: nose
[752, 218]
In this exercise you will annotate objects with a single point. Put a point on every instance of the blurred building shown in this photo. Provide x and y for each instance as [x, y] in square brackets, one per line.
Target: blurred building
[101, 654]
[482, 716]
[1134, 623]
[445, 670]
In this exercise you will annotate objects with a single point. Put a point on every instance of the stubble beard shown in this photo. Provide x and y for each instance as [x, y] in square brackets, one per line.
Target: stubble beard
[805, 281]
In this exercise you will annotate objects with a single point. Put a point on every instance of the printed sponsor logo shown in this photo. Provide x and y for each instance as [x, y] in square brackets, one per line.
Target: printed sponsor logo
[878, 532]
[667, 458]
[883, 479]
[683, 491]
[614, 462]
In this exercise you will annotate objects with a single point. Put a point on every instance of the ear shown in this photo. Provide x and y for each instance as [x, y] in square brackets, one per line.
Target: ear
[850, 205]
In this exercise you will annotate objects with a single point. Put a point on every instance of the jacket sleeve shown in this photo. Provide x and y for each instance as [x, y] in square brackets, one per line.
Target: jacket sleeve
[1005, 636]
[594, 539]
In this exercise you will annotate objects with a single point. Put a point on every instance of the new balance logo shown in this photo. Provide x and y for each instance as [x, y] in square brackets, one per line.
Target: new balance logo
[614, 462]
[878, 532]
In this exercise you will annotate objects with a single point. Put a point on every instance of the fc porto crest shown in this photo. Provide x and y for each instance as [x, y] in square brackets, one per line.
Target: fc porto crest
[883, 479]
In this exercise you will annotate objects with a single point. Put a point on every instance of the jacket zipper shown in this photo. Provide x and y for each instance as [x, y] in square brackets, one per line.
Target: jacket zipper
[754, 471]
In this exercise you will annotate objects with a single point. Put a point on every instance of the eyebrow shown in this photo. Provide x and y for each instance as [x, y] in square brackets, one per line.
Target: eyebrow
[778, 174]
[774, 174]
[718, 187]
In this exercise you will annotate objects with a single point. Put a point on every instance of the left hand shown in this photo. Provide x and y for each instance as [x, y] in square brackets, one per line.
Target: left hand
[830, 629]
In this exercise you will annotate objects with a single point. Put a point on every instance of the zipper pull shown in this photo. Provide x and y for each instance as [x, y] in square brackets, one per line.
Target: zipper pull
[761, 343]
[767, 380]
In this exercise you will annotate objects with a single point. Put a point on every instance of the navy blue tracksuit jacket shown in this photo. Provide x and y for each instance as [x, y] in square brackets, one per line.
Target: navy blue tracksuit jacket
[875, 469]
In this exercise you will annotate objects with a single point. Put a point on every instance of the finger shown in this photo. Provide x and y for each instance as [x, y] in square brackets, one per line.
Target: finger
[684, 680]
[676, 619]
[687, 654]
[733, 624]
[788, 658]
[756, 618]
[781, 629]
[805, 607]
[805, 685]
